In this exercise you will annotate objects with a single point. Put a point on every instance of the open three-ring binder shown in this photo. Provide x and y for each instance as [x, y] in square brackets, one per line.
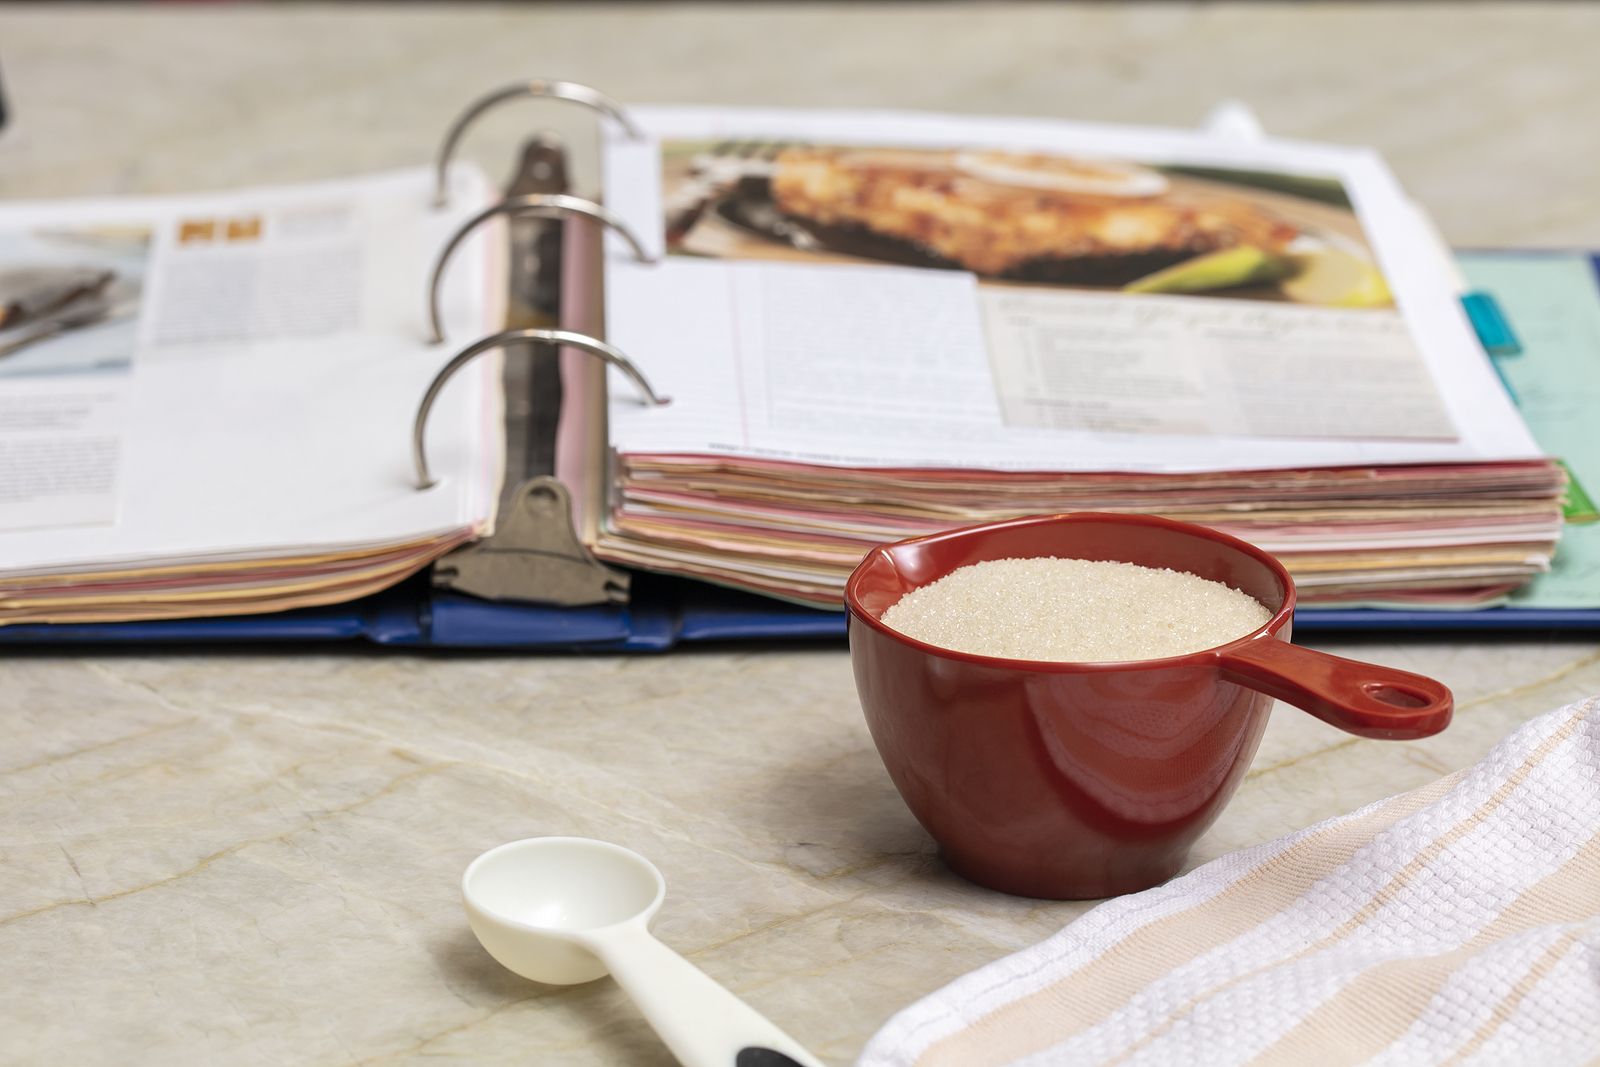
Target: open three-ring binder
[535, 582]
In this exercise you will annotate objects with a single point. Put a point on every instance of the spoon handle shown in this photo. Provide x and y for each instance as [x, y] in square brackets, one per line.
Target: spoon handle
[702, 1023]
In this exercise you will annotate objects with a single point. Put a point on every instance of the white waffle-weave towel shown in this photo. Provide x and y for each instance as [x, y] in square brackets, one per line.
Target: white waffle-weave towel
[1458, 924]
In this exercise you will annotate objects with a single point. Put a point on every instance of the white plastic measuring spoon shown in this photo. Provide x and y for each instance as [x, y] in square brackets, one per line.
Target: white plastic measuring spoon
[565, 910]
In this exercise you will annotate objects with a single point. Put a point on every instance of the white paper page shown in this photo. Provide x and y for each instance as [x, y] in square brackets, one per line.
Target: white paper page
[1475, 407]
[278, 370]
[60, 450]
[893, 374]
[1067, 360]
[772, 377]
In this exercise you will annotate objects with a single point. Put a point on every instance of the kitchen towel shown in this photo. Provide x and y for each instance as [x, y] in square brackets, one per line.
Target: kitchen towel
[1457, 924]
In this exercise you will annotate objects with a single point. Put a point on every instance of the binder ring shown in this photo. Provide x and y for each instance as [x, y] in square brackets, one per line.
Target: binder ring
[537, 87]
[542, 205]
[565, 338]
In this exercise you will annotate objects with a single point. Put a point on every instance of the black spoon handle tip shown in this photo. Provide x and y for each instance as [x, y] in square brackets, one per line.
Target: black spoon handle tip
[763, 1057]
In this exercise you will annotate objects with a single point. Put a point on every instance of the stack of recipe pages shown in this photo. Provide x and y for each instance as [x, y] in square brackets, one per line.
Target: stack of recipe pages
[206, 402]
[874, 326]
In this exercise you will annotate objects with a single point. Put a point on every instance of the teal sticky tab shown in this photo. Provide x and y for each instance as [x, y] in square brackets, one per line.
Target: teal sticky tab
[1494, 329]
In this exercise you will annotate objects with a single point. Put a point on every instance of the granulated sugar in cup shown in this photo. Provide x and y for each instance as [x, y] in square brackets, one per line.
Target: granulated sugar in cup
[1071, 779]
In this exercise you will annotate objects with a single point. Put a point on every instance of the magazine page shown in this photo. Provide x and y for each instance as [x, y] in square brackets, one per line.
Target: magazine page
[230, 376]
[869, 289]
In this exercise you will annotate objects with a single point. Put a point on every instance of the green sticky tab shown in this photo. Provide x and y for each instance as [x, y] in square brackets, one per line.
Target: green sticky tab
[1579, 507]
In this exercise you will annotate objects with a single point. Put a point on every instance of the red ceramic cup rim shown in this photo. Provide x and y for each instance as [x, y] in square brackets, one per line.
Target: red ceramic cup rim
[1271, 562]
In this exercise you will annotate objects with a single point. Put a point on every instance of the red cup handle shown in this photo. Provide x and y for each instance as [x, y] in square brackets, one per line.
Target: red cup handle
[1362, 698]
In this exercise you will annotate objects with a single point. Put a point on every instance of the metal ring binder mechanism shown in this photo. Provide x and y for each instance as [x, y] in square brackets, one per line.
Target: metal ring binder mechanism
[538, 205]
[499, 340]
[535, 553]
[537, 87]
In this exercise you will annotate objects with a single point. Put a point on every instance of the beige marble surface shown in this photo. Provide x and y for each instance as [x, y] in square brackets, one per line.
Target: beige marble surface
[242, 857]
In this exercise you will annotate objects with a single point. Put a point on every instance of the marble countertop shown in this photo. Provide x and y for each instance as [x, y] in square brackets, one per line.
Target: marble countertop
[252, 856]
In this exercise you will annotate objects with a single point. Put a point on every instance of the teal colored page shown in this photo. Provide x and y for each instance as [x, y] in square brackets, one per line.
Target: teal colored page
[1553, 304]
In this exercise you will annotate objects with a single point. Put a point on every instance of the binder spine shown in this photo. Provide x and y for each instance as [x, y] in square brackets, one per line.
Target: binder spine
[535, 554]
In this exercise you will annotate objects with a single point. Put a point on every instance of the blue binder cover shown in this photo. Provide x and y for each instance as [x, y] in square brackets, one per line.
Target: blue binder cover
[664, 612]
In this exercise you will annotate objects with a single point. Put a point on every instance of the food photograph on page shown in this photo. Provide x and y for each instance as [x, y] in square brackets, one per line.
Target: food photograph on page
[1025, 216]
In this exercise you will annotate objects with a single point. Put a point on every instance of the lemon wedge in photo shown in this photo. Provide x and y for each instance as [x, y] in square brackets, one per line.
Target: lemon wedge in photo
[1330, 277]
[1227, 269]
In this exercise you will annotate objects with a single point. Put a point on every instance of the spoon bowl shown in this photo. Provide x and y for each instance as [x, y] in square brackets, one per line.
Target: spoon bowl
[526, 899]
[565, 910]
